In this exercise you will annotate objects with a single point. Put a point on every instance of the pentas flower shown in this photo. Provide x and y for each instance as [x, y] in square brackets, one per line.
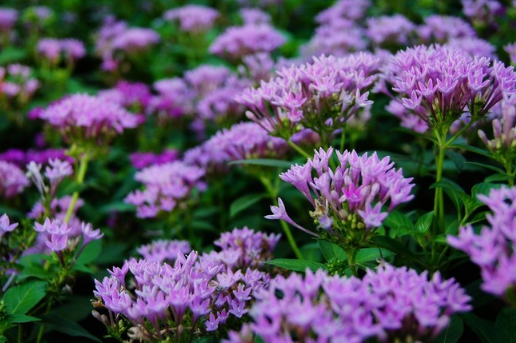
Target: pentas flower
[8, 17]
[257, 67]
[52, 49]
[175, 99]
[140, 160]
[163, 250]
[203, 292]
[393, 30]
[220, 106]
[389, 305]
[135, 39]
[344, 9]
[167, 187]
[473, 46]
[16, 84]
[482, 12]
[502, 145]
[511, 50]
[329, 40]
[6, 226]
[438, 84]
[491, 248]
[241, 141]
[254, 16]
[193, 18]
[207, 78]
[134, 96]
[239, 41]
[88, 118]
[320, 96]
[22, 158]
[351, 200]
[12, 180]
[440, 29]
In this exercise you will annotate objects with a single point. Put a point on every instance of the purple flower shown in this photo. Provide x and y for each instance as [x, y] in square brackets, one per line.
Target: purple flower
[140, 160]
[491, 248]
[135, 40]
[439, 29]
[86, 117]
[388, 305]
[390, 29]
[50, 49]
[344, 9]
[483, 12]
[12, 180]
[8, 17]
[473, 46]
[237, 42]
[320, 96]
[193, 18]
[254, 16]
[164, 250]
[166, 186]
[6, 226]
[57, 171]
[89, 234]
[437, 84]
[351, 196]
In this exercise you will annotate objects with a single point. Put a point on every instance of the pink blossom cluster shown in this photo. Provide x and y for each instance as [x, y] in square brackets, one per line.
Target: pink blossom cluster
[193, 18]
[51, 49]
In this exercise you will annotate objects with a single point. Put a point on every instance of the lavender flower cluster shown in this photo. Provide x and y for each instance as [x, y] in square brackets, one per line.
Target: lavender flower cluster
[167, 187]
[436, 85]
[12, 180]
[320, 96]
[193, 19]
[52, 49]
[390, 304]
[195, 294]
[16, 83]
[491, 248]
[349, 201]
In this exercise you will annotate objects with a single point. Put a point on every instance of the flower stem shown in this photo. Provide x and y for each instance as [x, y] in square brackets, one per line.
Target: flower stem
[352, 253]
[298, 149]
[439, 224]
[273, 193]
[83, 166]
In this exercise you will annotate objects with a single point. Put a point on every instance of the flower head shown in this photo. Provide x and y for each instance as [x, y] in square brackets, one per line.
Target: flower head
[12, 180]
[193, 18]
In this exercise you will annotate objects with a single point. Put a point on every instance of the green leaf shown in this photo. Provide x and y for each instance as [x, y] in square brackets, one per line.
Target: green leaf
[296, 265]
[243, 203]
[22, 318]
[203, 225]
[471, 148]
[470, 203]
[484, 188]
[498, 178]
[117, 206]
[457, 158]
[264, 162]
[424, 222]
[331, 250]
[90, 252]
[11, 54]
[447, 184]
[478, 217]
[399, 222]
[484, 329]
[258, 339]
[505, 328]
[67, 327]
[452, 333]
[21, 299]
[371, 254]
[487, 166]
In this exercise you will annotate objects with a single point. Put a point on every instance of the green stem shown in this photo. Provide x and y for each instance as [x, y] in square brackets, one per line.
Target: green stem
[298, 149]
[438, 200]
[80, 180]
[273, 193]
[352, 253]
[342, 139]
[42, 327]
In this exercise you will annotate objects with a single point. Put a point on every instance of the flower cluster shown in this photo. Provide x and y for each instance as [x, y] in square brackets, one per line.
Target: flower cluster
[193, 18]
[386, 30]
[482, 12]
[12, 180]
[22, 158]
[164, 250]
[502, 145]
[254, 16]
[167, 187]
[438, 84]
[89, 118]
[242, 141]
[117, 36]
[174, 99]
[492, 248]
[239, 41]
[16, 84]
[6, 226]
[197, 294]
[55, 172]
[352, 200]
[8, 17]
[320, 96]
[473, 46]
[140, 160]
[52, 49]
[391, 304]
[440, 29]
[134, 96]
